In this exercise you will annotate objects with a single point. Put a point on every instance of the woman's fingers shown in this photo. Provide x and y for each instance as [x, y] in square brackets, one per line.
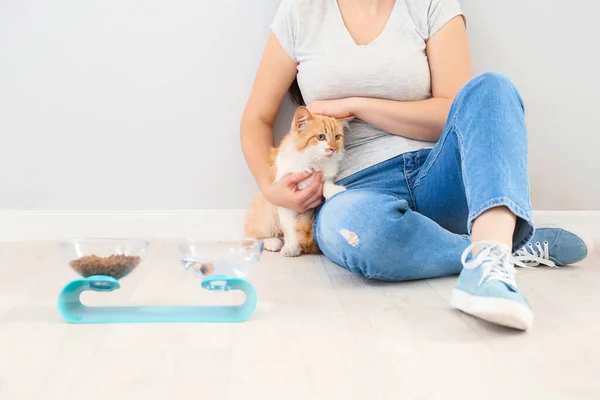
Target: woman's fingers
[313, 201]
[314, 204]
[315, 187]
[291, 180]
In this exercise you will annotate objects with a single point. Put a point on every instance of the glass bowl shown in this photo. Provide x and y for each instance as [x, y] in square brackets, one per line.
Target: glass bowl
[229, 259]
[110, 257]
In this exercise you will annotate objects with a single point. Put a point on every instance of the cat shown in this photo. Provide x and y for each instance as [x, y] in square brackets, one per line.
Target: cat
[314, 143]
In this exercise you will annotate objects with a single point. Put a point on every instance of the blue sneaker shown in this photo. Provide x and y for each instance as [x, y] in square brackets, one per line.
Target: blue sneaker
[553, 247]
[486, 288]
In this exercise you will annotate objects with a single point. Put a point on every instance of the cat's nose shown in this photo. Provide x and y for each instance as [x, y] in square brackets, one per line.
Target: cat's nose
[330, 150]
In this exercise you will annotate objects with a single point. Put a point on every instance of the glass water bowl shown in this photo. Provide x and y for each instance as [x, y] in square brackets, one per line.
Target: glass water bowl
[228, 259]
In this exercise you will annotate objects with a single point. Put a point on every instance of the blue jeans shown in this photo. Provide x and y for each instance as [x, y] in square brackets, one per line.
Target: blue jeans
[410, 217]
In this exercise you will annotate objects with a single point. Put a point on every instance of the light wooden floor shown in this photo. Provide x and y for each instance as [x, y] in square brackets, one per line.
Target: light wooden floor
[319, 333]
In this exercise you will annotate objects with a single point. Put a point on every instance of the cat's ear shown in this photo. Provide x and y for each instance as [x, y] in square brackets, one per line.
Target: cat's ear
[301, 118]
[345, 121]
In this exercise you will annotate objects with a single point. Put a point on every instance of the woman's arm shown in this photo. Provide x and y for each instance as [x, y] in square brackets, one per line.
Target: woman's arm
[449, 64]
[275, 74]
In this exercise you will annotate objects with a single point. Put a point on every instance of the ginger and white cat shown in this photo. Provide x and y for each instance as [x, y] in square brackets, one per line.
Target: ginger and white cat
[314, 143]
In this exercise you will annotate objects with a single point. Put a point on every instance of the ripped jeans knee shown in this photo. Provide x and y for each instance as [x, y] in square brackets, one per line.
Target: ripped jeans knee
[351, 238]
[350, 230]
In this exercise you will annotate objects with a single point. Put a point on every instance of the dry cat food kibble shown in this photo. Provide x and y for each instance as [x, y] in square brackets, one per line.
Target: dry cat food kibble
[116, 265]
[205, 269]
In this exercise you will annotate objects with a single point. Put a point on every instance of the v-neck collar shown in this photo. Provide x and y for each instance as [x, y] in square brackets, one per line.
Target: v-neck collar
[347, 32]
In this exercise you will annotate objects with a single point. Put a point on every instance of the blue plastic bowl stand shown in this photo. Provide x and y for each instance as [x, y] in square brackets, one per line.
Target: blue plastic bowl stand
[72, 310]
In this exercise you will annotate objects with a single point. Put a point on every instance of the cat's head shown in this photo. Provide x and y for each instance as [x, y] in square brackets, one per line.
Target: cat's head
[317, 133]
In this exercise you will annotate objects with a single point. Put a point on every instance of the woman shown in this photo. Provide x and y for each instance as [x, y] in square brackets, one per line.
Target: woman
[436, 161]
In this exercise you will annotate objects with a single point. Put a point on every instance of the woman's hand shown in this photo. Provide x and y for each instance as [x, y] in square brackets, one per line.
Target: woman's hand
[338, 108]
[285, 193]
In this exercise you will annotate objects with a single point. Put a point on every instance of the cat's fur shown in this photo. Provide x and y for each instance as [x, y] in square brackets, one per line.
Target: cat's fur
[314, 143]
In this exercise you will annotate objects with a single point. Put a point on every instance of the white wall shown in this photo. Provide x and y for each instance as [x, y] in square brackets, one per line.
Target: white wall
[118, 104]
[550, 49]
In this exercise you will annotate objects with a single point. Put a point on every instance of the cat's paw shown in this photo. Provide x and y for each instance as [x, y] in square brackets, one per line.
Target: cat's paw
[331, 190]
[273, 244]
[291, 250]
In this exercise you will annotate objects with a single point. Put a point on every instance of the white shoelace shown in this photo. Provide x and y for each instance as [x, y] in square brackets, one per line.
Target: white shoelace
[530, 257]
[495, 260]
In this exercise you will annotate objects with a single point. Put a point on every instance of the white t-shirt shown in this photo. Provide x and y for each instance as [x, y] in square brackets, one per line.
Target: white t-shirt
[393, 66]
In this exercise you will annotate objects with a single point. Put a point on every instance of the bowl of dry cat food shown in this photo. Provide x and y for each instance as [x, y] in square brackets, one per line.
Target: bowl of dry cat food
[116, 258]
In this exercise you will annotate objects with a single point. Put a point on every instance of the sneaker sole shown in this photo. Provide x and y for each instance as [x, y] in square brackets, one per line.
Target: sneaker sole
[499, 311]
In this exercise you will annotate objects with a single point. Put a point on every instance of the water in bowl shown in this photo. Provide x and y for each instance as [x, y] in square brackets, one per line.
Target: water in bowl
[230, 259]
[229, 268]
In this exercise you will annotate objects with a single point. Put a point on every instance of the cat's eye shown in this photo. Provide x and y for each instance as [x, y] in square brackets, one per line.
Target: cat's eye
[338, 137]
[320, 137]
